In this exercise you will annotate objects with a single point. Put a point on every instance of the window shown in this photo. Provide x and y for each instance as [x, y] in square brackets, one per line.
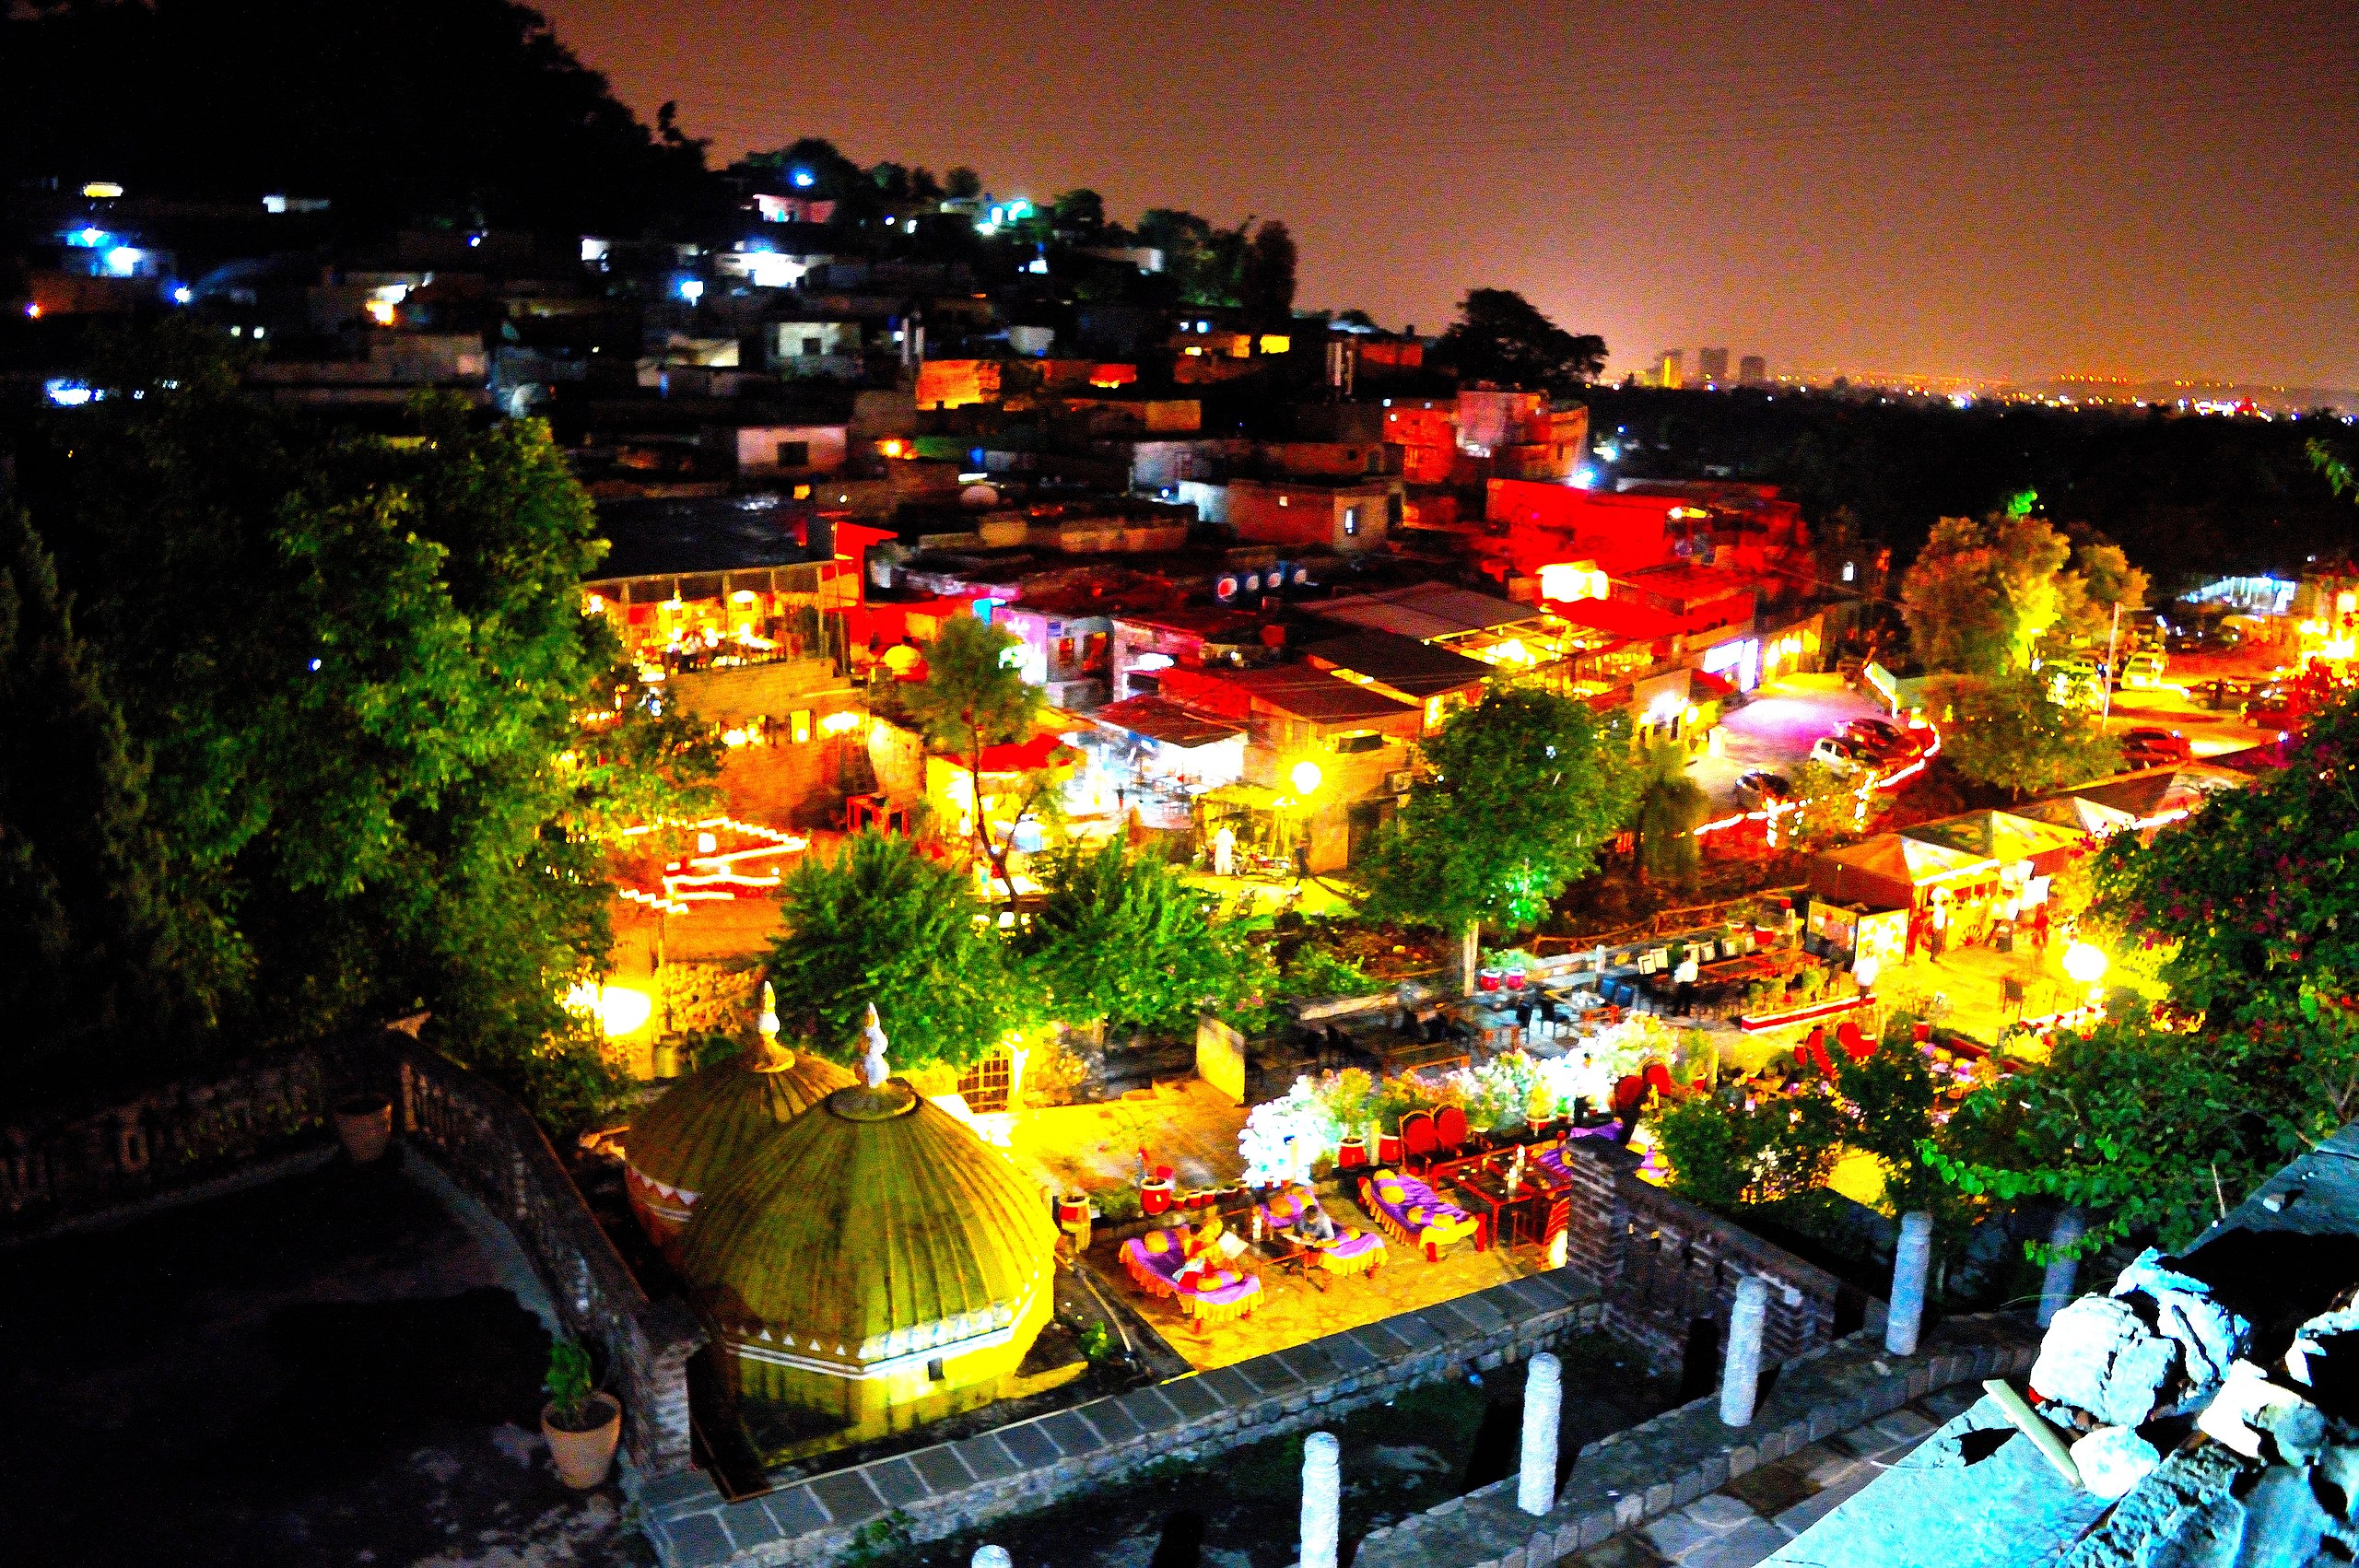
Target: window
[812, 348]
[1848, 570]
[933, 1370]
[803, 492]
[1350, 521]
[794, 454]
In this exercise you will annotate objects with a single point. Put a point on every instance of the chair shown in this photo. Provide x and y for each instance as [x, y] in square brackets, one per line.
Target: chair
[1353, 1251]
[1412, 1214]
[1417, 1139]
[1450, 1130]
[1154, 1262]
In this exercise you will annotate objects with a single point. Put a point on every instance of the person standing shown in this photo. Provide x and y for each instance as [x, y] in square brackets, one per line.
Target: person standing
[1224, 851]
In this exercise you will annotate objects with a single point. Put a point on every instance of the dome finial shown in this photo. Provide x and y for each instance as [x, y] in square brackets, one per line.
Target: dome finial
[876, 1068]
[768, 1022]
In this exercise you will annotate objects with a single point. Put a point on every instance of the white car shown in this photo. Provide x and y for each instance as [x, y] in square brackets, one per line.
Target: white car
[1841, 757]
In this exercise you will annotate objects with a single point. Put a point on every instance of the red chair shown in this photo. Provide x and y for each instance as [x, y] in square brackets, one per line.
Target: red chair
[1417, 1140]
[1854, 1045]
[1449, 1132]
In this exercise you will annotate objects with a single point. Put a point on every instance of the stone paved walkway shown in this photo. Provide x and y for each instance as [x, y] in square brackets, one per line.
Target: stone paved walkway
[334, 1367]
[1762, 1510]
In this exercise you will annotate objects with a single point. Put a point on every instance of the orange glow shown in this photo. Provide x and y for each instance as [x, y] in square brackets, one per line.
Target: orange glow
[1565, 582]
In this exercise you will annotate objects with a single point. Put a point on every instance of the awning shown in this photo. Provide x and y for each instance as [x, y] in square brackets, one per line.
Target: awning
[1251, 797]
[1159, 718]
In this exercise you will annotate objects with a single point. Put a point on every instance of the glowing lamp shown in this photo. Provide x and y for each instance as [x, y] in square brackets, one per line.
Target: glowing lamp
[619, 1012]
[2085, 963]
[1306, 777]
[707, 843]
[1567, 582]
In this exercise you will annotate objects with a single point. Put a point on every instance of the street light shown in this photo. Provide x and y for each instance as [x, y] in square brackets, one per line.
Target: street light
[2085, 963]
[1306, 777]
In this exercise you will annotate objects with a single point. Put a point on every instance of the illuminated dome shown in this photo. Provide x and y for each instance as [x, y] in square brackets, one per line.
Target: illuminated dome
[874, 1263]
[684, 1144]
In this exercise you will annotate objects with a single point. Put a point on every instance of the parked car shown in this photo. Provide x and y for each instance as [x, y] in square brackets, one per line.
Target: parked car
[1883, 738]
[1760, 787]
[1841, 757]
[2168, 744]
[2144, 669]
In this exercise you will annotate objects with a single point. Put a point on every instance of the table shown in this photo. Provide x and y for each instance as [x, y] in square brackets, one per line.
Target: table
[1399, 1055]
[1280, 1250]
[1518, 1217]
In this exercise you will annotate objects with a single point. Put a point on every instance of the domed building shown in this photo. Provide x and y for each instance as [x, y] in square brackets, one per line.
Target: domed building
[873, 1265]
[686, 1143]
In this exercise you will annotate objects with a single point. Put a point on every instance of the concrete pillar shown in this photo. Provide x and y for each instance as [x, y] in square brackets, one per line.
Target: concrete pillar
[1543, 1408]
[1322, 1499]
[1740, 1369]
[2056, 1284]
[991, 1557]
[1910, 1262]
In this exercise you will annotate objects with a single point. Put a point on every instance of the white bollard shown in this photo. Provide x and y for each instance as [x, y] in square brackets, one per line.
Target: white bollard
[991, 1557]
[1740, 1369]
[2056, 1284]
[1322, 1500]
[1543, 1410]
[1911, 1260]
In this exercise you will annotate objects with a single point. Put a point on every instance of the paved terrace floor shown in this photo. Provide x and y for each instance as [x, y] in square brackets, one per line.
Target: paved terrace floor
[330, 1368]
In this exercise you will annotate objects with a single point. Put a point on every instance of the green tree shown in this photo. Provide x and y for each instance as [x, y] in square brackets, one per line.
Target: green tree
[1521, 791]
[2010, 733]
[1083, 211]
[1121, 937]
[1501, 337]
[1198, 258]
[1265, 277]
[360, 668]
[1980, 595]
[974, 696]
[91, 947]
[962, 183]
[2101, 582]
[1671, 807]
[1827, 807]
[882, 923]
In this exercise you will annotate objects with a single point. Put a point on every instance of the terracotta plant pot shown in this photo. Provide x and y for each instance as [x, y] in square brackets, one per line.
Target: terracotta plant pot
[365, 1127]
[1388, 1148]
[582, 1458]
[1154, 1197]
[1072, 1209]
[1351, 1153]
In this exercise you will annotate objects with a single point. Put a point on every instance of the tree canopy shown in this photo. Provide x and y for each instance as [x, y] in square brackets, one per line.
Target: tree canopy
[1501, 337]
[1671, 806]
[359, 668]
[457, 112]
[975, 697]
[2010, 733]
[1121, 936]
[1524, 789]
[1980, 595]
[882, 923]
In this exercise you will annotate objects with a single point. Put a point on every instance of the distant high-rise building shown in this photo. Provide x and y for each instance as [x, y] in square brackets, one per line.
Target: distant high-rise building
[1712, 365]
[1670, 368]
[1753, 370]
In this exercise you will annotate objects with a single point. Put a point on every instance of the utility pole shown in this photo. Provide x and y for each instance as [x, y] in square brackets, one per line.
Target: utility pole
[2111, 638]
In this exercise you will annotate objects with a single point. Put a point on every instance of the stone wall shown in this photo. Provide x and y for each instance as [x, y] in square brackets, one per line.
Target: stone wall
[174, 1137]
[952, 1488]
[1665, 1264]
[489, 1145]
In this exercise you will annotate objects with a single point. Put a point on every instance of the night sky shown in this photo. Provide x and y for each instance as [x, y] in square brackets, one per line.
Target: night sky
[1950, 187]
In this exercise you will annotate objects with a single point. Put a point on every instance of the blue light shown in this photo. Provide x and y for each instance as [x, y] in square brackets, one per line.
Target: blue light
[1019, 208]
[67, 394]
[803, 179]
[123, 260]
[1586, 476]
[692, 289]
[184, 295]
[89, 238]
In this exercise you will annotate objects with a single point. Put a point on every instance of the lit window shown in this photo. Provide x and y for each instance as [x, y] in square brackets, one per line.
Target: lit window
[1850, 570]
[1350, 521]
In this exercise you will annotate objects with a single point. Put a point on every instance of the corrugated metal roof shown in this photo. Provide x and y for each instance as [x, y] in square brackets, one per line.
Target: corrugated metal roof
[1305, 693]
[1425, 611]
[1159, 719]
[1401, 663]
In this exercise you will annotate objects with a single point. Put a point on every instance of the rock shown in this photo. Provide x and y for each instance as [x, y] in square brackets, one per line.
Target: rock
[2209, 1336]
[2100, 1356]
[2338, 1468]
[2249, 1409]
[2113, 1460]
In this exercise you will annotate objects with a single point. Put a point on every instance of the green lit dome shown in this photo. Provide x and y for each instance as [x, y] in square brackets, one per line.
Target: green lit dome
[877, 1227]
[688, 1141]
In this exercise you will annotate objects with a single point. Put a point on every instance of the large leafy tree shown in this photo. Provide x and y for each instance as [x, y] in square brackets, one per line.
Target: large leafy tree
[882, 923]
[1265, 275]
[1980, 595]
[360, 668]
[1501, 337]
[1121, 936]
[2102, 580]
[1671, 807]
[974, 696]
[2010, 733]
[1521, 791]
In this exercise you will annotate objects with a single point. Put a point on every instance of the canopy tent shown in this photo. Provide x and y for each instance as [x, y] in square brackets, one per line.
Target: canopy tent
[2164, 794]
[1890, 872]
[2088, 816]
[2005, 837]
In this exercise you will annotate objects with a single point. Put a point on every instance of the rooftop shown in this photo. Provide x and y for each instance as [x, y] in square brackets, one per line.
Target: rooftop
[1306, 692]
[1427, 611]
[1158, 719]
[1403, 664]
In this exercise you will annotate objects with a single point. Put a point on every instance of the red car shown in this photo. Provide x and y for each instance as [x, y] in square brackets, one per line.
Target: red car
[2153, 747]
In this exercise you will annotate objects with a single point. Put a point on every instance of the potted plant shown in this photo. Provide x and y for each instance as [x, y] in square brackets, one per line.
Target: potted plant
[581, 1424]
[365, 1125]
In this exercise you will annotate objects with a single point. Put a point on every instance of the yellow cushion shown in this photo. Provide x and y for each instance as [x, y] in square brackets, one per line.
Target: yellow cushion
[1158, 1241]
[1390, 1194]
[1417, 1215]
